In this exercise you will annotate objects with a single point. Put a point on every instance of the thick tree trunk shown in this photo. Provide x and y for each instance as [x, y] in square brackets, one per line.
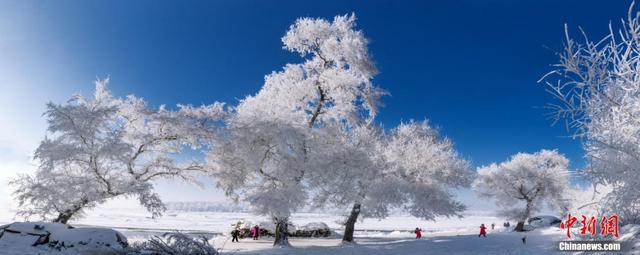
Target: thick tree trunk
[525, 216]
[65, 216]
[282, 232]
[349, 226]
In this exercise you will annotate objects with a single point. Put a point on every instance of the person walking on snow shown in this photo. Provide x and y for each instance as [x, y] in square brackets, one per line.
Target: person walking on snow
[418, 233]
[235, 233]
[493, 225]
[255, 232]
[483, 230]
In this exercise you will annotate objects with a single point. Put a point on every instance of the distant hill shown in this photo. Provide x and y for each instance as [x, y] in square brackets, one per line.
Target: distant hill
[205, 206]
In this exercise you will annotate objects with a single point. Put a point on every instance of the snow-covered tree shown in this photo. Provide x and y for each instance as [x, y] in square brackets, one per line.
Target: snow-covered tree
[262, 164]
[106, 147]
[525, 184]
[350, 170]
[598, 92]
[333, 84]
[411, 167]
[275, 139]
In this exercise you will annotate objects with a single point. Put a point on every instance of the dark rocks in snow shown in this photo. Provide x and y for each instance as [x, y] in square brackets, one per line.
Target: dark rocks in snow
[313, 229]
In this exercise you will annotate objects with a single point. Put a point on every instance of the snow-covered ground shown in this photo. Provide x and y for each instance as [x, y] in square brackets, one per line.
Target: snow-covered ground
[138, 223]
[390, 236]
[497, 242]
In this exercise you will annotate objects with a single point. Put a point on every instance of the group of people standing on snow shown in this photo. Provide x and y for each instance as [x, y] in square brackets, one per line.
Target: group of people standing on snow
[255, 232]
[235, 233]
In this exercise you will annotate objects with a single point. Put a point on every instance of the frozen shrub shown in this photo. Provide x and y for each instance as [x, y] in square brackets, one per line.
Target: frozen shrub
[175, 243]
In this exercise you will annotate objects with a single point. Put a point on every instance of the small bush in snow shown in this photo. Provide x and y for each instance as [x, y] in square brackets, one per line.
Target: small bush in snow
[175, 243]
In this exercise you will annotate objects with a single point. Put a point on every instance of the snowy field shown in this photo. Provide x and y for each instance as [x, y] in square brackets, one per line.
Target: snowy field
[497, 242]
[390, 236]
[137, 224]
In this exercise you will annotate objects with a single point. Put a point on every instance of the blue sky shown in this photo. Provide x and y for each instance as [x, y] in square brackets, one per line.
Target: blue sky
[470, 67]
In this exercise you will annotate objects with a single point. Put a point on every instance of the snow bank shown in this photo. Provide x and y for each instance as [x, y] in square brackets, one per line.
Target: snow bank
[40, 237]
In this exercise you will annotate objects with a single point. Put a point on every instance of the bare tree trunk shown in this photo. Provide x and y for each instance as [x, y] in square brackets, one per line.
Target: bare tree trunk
[525, 216]
[282, 232]
[349, 226]
[65, 216]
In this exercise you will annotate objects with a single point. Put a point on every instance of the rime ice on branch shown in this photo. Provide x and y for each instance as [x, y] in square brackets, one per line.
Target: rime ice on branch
[525, 183]
[275, 139]
[597, 88]
[106, 147]
[308, 135]
[410, 168]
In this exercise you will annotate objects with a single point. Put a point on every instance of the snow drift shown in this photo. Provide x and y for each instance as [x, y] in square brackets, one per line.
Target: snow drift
[40, 237]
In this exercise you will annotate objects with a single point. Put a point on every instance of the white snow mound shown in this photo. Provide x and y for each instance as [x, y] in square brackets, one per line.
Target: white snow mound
[39, 237]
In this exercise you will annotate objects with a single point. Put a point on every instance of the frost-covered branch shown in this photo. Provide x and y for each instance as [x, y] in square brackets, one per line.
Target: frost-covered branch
[597, 85]
[106, 147]
[276, 141]
[525, 183]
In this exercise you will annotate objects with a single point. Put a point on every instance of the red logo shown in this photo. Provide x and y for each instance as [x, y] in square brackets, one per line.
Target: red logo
[607, 225]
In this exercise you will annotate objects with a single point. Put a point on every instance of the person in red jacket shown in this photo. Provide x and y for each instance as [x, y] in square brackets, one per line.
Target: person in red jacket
[418, 233]
[483, 231]
[255, 232]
